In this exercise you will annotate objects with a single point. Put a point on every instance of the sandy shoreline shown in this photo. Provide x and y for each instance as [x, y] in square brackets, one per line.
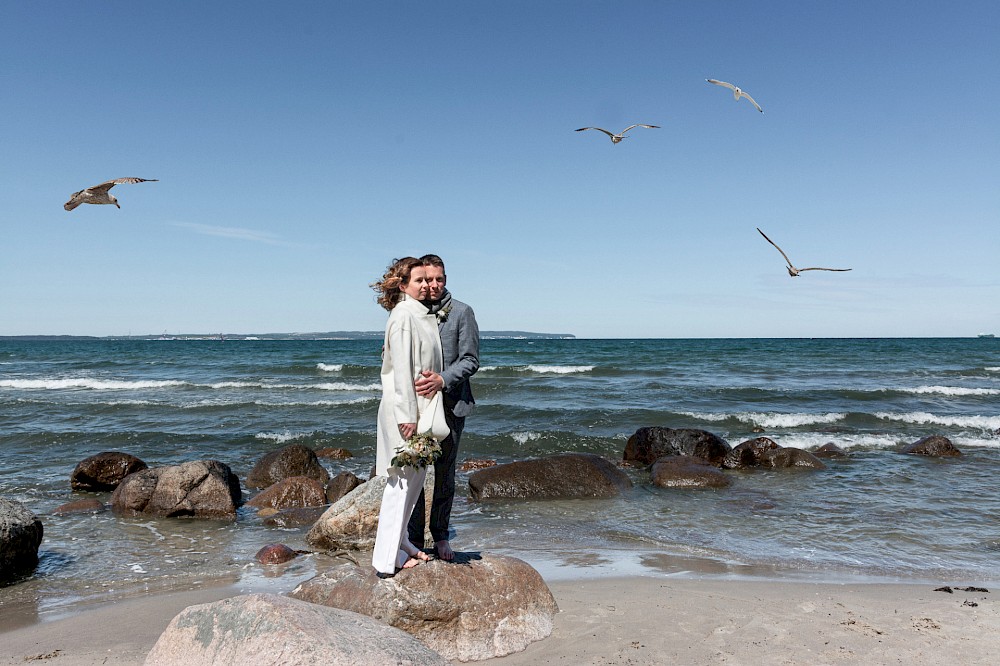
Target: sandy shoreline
[632, 620]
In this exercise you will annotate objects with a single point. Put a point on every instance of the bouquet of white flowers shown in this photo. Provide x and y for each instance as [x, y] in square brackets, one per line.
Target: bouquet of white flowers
[419, 451]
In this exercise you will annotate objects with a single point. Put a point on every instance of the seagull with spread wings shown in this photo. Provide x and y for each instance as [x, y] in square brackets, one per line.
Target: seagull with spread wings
[737, 92]
[617, 138]
[792, 270]
[100, 194]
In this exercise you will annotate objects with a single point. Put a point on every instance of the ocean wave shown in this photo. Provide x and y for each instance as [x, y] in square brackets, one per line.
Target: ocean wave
[283, 437]
[330, 367]
[524, 437]
[539, 369]
[96, 384]
[926, 418]
[344, 386]
[951, 390]
[770, 419]
[559, 369]
[992, 369]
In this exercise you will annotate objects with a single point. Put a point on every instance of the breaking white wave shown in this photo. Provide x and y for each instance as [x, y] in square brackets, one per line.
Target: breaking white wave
[343, 386]
[80, 383]
[559, 369]
[951, 390]
[524, 437]
[992, 369]
[926, 418]
[330, 367]
[770, 419]
[282, 437]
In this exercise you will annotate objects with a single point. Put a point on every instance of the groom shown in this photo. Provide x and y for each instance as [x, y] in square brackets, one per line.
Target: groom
[460, 345]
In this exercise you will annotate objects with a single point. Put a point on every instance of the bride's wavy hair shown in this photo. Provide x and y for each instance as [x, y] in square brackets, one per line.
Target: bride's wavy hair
[397, 276]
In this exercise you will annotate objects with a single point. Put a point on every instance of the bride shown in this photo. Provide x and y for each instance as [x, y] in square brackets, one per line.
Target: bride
[412, 344]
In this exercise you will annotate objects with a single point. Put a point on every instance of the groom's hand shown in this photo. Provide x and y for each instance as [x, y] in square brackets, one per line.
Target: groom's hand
[429, 383]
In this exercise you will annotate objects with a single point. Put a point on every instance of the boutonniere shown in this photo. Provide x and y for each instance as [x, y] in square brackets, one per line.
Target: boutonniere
[442, 314]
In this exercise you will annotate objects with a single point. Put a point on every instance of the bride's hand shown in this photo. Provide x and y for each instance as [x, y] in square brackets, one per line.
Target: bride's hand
[407, 430]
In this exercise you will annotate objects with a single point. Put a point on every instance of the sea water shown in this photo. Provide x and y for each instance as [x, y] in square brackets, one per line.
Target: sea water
[875, 514]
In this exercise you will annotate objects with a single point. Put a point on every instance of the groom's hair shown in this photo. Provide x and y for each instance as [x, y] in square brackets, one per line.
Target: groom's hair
[432, 260]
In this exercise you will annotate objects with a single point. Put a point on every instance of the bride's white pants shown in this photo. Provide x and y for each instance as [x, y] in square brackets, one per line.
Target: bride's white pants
[392, 547]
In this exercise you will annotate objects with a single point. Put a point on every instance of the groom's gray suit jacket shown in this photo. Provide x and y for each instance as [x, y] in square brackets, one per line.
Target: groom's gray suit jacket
[460, 346]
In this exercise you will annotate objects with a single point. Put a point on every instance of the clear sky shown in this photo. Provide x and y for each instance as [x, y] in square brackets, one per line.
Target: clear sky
[301, 146]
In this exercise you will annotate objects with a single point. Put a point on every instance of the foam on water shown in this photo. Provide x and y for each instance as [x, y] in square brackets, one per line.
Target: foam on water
[926, 418]
[952, 390]
[770, 419]
[83, 383]
[330, 367]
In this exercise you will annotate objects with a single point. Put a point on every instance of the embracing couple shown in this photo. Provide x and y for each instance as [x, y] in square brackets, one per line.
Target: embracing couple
[431, 349]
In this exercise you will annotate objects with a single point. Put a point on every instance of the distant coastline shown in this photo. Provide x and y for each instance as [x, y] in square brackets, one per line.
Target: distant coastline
[329, 335]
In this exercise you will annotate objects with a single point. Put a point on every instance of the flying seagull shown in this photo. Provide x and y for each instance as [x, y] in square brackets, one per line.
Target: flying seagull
[617, 138]
[99, 194]
[737, 92]
[792, 270]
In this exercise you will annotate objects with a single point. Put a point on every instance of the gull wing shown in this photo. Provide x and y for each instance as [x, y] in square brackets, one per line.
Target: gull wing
[776, 247]
[596, 128]
[639, 125]
[722, 83]
[743, 94]
[107, 185]
[824, 269]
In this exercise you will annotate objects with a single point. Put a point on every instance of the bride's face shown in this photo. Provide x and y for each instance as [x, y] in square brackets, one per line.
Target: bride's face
[417, 286]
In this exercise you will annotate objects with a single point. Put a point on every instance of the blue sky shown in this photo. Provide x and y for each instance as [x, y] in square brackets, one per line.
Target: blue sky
[300, 146]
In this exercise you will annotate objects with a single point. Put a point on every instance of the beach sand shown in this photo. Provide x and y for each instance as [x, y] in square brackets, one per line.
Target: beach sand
[631, 621]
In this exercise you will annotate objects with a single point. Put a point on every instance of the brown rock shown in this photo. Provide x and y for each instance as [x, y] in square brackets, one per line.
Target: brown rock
[472, 465]
[570, 475]
[687, 472]
[937, 446]
[295, 491]
[749, 453]
[340, 485]
[295, 517]
[275, 553]
[830, 450]
[271, 629]
[80, 506]
[765, 452]
[292, 460]
[104, 471]
[787, 456]
[334, 454]
[470, 610]
[199, 489]
[647, 445]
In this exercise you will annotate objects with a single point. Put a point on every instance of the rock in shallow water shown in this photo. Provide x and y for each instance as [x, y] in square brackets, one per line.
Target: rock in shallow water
[646, 445]
[198, 489]
[20, 536]
[567, 476]
[104, 471]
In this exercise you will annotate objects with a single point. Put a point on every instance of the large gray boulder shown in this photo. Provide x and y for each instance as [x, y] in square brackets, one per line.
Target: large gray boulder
[292, 460]
[471, 609]
[198, 489]
[565, 476]
[351, 522]
[20, 536]
[270, 629]
[104, 471]
[647, 445]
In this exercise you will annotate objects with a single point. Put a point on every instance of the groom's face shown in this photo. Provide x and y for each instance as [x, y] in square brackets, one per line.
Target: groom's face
[436, 279]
